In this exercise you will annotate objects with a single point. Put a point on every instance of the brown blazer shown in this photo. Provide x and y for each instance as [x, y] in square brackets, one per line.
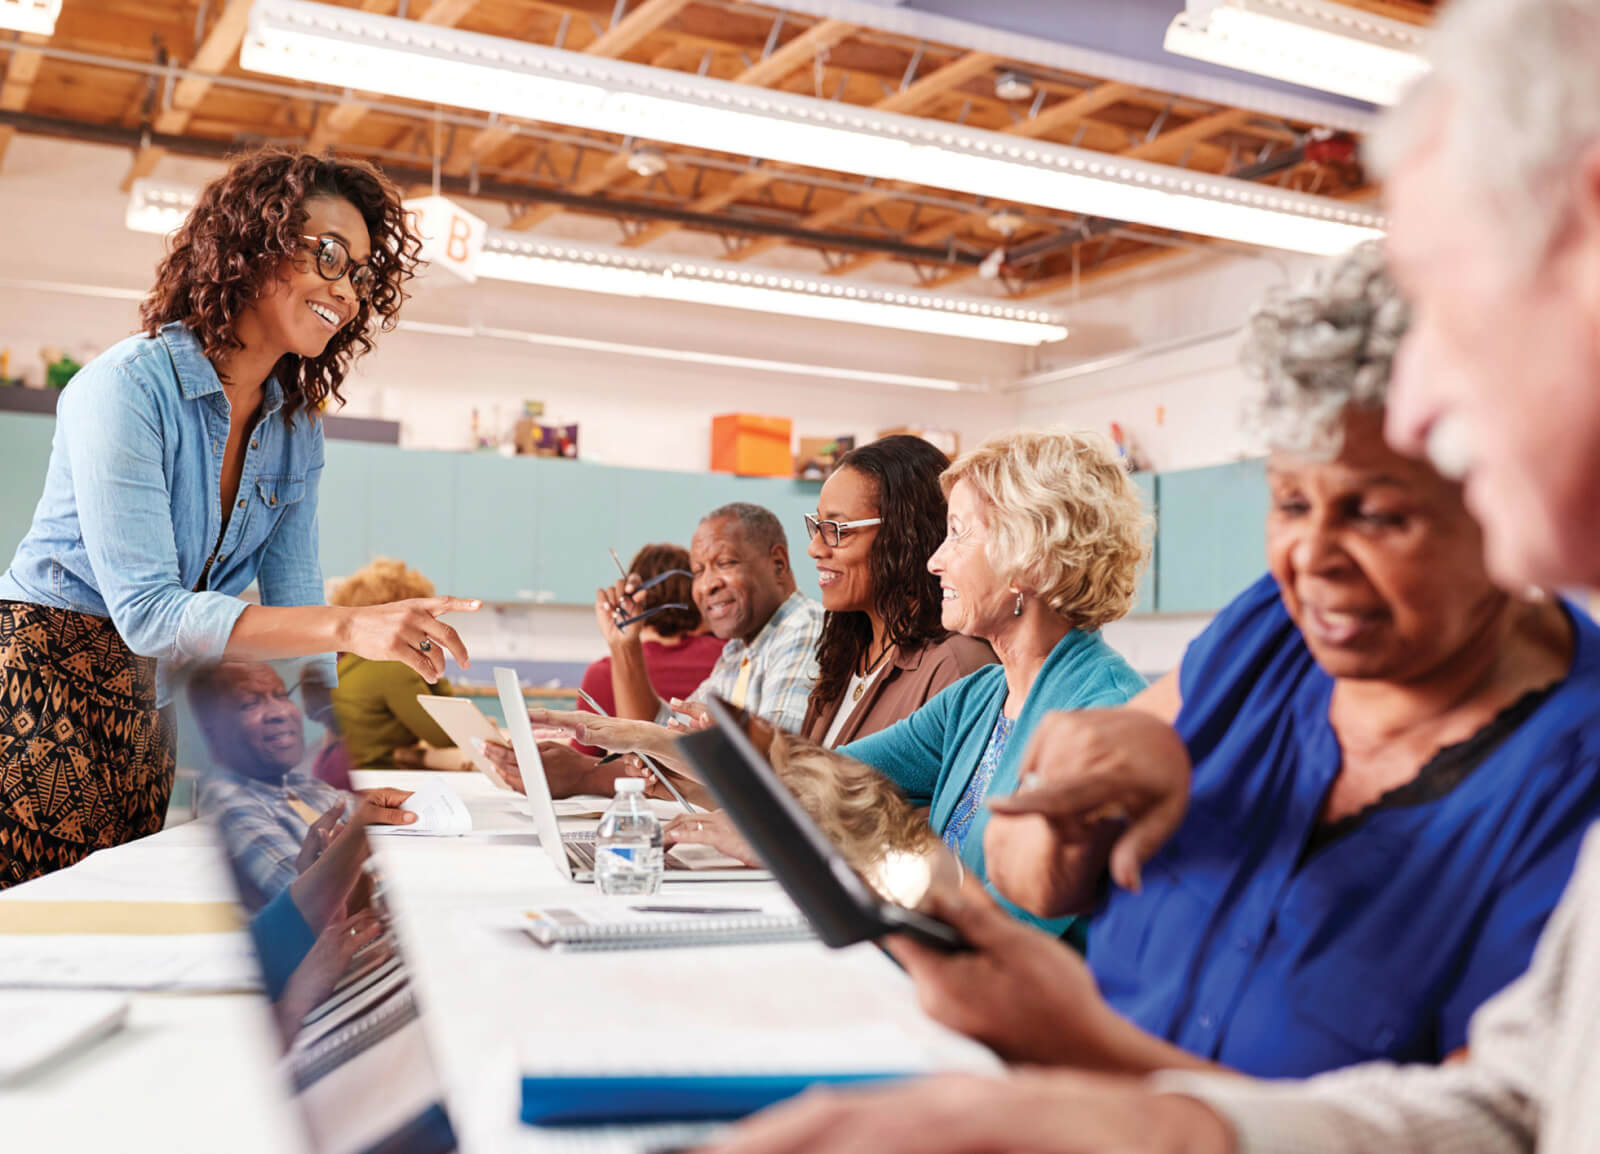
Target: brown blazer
[911, 679]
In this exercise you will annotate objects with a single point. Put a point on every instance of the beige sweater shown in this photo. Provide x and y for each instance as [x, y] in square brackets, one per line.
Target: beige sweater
[1531, 1082]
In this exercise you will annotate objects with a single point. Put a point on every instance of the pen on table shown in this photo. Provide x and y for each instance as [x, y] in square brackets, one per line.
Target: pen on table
[695, 909]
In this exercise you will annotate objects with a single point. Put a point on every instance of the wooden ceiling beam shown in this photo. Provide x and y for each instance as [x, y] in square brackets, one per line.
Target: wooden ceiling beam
[1070, 111]
[796, 54]
[614, 168]
[214, 54]
[906, 100]
[953, 75]
[634, 27]
[1192, 134]
[1197, 131]
[338, 121]
[846, 208]
[21, 72]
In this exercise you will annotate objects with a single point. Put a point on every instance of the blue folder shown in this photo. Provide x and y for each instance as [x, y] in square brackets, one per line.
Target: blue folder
[571, 1101]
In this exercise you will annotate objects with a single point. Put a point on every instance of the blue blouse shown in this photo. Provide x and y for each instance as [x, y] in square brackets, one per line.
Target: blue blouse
[1245, 949]
[132, 504]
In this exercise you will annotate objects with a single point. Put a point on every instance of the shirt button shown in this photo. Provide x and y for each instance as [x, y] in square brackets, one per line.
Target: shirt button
[1244, 944]
[273, 500]
[255, 444]
[1206, 1021]
[222, 556]
[241, 504]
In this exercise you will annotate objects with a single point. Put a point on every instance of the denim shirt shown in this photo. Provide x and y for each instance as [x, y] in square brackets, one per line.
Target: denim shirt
[132, 504]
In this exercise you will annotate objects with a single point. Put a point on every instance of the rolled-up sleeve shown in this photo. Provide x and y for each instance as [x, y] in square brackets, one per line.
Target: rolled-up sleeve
[112, 433]
[291, 565]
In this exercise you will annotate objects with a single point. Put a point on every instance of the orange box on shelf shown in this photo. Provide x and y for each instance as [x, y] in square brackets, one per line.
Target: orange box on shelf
[751, 446]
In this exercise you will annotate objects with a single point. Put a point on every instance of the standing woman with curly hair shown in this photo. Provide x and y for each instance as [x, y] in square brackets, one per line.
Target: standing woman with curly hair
[185, 467]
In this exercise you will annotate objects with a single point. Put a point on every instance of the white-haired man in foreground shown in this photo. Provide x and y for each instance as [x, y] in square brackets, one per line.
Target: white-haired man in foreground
[1494, 193]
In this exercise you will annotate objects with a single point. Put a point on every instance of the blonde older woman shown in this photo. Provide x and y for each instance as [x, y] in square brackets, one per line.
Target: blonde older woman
[375, 702]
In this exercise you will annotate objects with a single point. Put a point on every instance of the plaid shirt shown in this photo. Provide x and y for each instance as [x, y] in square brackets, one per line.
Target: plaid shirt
[783, 665]
[261, 831]
[1530, 1082]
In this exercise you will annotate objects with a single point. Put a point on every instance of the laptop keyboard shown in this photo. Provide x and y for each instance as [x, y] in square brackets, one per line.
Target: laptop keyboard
[580, 852]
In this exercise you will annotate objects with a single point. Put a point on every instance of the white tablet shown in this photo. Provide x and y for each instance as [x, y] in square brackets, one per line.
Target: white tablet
[464, 721]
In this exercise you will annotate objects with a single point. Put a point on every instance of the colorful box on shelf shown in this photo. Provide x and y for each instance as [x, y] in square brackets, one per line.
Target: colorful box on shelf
[751, 446]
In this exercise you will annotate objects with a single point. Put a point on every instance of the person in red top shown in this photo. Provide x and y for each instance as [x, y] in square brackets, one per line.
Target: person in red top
[678, 652]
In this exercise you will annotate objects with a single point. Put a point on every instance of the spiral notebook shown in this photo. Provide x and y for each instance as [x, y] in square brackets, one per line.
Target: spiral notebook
[615, 927]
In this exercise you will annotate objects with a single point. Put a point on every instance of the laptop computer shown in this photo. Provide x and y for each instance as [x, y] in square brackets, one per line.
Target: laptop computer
[730, 759]
[354, 1052]
[573, 852]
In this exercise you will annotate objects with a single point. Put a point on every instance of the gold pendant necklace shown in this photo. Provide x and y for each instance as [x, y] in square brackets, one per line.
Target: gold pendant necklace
[861, 685]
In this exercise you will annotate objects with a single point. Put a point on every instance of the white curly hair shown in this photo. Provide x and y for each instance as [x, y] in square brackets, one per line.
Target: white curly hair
[1322, 348]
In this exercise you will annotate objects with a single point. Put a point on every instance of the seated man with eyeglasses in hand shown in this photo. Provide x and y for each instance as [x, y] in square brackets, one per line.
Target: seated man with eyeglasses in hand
[745, 590]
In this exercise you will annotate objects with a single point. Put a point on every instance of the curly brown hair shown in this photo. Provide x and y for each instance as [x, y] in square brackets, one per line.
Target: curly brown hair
[245, 224]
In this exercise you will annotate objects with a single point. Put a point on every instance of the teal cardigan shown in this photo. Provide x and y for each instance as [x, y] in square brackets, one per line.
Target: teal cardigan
[932, 754]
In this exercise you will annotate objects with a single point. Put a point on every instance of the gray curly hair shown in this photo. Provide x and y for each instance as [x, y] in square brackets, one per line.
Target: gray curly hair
[1324, 347]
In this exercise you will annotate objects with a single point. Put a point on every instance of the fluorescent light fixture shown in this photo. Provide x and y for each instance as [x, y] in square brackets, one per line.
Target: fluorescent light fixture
[35, 16]
[623, 272]
[509, 256]
[157, 207]
[1312, 43]
[357, 50]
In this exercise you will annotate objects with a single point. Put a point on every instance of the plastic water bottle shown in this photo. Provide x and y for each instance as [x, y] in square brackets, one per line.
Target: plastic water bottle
[627, 846]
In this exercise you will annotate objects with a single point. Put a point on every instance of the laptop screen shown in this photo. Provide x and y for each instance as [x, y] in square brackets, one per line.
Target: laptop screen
[352, 1046]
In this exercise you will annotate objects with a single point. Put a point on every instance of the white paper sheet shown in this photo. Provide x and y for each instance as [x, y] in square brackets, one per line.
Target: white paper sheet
[440, 813]
[35, 1030]
[193, 963]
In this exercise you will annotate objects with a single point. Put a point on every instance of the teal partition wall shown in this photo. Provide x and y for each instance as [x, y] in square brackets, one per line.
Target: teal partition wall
[1212, 541]
[535, 530]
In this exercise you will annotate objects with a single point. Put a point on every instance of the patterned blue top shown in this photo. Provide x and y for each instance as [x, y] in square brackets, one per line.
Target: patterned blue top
[955, 834]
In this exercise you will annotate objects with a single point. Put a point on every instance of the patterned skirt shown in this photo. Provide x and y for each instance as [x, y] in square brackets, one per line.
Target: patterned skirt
[86, 758]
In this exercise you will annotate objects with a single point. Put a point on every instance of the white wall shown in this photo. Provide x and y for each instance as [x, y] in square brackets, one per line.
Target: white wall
[1185, 405]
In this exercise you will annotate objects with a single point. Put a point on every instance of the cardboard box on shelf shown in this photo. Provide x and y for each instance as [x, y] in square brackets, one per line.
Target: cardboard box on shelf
[945, 440]
[750, 445]
[819, 456]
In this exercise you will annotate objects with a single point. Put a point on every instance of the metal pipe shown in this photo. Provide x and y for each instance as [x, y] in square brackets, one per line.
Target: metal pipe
[581, 344]
[520, 194]
[1115, 360]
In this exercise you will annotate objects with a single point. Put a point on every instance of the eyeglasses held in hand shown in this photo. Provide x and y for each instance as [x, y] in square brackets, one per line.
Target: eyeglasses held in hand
[333, 261]
[624, 621]
[834, 531]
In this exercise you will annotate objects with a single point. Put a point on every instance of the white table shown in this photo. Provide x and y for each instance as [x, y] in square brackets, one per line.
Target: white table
[197, 1072]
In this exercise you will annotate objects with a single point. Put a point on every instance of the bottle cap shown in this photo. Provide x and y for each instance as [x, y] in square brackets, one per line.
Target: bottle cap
[628, 785]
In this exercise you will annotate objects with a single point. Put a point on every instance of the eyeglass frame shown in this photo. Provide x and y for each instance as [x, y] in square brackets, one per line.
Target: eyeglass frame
[351, 265]
[815, 523]
[624, 622]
